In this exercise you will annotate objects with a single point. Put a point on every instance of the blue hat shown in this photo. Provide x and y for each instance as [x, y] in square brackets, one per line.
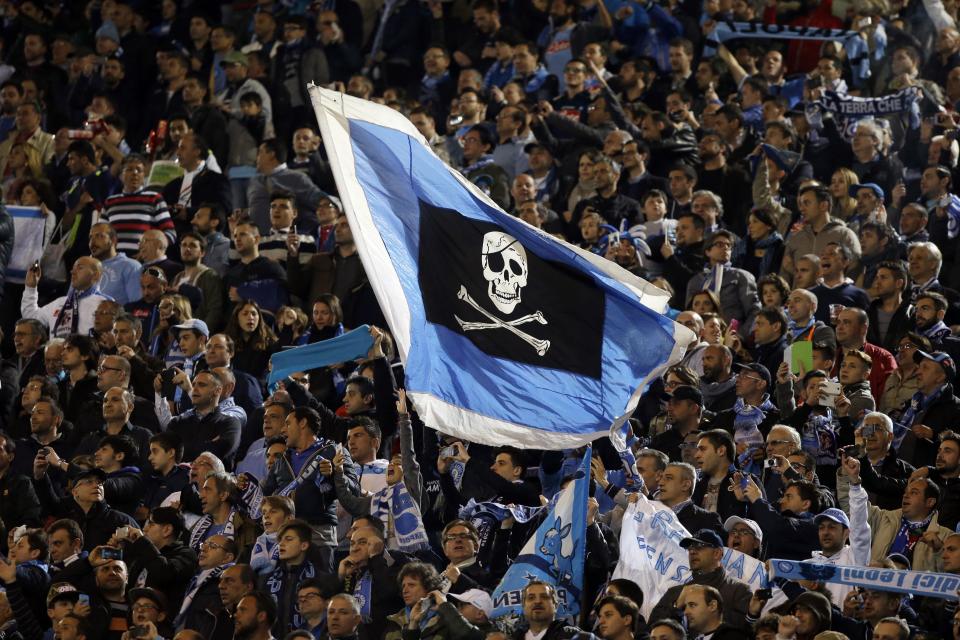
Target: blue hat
[109, 31]
[836, 515]
[941, 358]
[873, 186]
[703, 538]
[196, 325]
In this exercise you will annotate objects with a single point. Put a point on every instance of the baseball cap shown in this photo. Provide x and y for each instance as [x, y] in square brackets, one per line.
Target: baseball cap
[941, 358]
[61, 591]
[477, 597]
[836, 515]
[756, 368]
[530, 146]
[733, 521]
[234, 57]
[703, 538]
[873, 186]
[98, 474]
[196, 325]
[149, 593]
[685, 392]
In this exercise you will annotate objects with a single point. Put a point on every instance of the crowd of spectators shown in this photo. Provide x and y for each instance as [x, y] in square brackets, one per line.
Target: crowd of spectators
[153, 486]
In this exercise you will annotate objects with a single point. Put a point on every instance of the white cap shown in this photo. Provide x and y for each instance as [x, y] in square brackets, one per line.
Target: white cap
[732, 521]
[477, 597]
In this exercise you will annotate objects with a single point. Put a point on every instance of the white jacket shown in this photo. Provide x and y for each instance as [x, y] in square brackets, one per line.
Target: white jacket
[856, 553]
[48, 314]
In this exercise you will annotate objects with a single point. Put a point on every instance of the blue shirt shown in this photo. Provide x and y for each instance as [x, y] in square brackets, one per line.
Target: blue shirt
[121, 278]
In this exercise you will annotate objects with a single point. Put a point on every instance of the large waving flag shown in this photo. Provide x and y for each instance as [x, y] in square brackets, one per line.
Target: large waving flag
[554, 554]
[508, 335]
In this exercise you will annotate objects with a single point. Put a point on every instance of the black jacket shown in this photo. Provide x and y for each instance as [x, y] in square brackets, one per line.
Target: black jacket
[900, 324]
[215, 432]
[6, 245]
[18, 503]
[98, 524]
[156, 487]
[694, 518]
[168, 570]
[384, 591]
[558, 630]
[208, 186]
[939, 416]
[735, 594]
[885, 488]
[786, 535]
[727, 503]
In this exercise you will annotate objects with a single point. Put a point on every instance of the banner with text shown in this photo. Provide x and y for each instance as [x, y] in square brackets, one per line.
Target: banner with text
[920, 583]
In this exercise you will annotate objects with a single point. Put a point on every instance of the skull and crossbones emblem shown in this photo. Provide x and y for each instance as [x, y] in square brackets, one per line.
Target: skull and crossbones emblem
[506, 271]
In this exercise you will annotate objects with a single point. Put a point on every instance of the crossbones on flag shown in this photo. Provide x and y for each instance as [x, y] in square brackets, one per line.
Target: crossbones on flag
[508, 335]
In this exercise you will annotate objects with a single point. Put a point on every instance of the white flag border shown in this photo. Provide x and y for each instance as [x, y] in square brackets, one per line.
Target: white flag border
[333, 111]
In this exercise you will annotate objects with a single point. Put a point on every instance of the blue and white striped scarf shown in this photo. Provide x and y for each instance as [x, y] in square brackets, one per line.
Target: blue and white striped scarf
[394, 504]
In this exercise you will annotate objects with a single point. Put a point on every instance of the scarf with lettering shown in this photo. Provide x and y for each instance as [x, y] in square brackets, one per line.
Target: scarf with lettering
[199, 532]
[937, 332]
[265, 554]
[196, 582]
[401, 517]
[909, 534]
[71, 310]
[917, 407]
[282, 574]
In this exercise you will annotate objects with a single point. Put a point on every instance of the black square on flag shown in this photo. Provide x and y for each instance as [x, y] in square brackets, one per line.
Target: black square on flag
[479, 281]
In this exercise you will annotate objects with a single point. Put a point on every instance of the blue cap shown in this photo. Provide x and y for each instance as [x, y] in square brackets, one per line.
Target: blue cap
[109, 31]
[196, 325]
[941, 358]
[703, 538]
[873, 186]
[836, 515]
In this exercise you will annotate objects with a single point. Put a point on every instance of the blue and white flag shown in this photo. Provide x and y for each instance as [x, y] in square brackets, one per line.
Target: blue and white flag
[343, 348]
[848, 111]
[497, 511]
[29, 225]
[920, 583]
[651, 556]
[554, 554]
[508, 336]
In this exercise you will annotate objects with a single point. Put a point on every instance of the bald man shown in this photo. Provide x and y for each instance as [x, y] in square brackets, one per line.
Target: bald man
[801, 308]
[153, 253]
[74, 312]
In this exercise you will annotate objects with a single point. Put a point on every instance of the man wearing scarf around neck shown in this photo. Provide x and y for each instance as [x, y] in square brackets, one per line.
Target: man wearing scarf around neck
[296, 565]
[801, 307]
[753, 414]
[931, 410]
[912, 530]
[72, 313]
[929, 313]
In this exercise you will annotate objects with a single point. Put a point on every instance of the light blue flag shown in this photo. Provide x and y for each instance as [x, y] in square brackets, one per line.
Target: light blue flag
[554, 554]
[344, 348]
[508, 335]
[29, 224]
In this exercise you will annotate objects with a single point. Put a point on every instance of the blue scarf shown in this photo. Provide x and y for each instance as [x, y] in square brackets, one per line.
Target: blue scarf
[917, 407]
[937, 332]
[265, 554]
[796, 330]
[479, 164]
[909, 534]
[746, 421]
[275, 582]
[362, 591]
[401, 517]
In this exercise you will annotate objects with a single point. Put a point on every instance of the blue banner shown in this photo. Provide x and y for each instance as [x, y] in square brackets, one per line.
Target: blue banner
[344, 348]
[508, 335]
[920, 583]
[554, 554]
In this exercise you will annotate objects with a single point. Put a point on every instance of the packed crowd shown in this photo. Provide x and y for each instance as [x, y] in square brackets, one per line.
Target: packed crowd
[153, 486]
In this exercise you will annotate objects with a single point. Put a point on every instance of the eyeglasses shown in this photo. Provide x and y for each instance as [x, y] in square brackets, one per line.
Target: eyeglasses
[754, 378]
[907, 347]
[725, 245]
[742, 532]
[308, 596]
[211, 545]
[103, 368]
[146, 606]
[799, 465]
[457, 536]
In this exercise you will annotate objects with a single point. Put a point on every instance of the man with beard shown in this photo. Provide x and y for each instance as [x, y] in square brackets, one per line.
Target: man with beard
[717, 383]
[256, 614]
[730, 183]
[946, 473]
[683, 261]
[889, 312]
[236, 582]
[705, 552]
[120, 272]
[913, 226]
[930, 312]
[834, 534]
[879, 243]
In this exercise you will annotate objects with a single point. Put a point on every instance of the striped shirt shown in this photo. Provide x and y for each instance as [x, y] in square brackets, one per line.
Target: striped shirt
[133, 214]
[274, 246]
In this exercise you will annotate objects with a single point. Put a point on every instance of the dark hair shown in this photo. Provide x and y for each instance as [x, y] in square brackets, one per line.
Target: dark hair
[83, 627]
[624, 606]
[300, 527]
[168, 440]
[425, 573]
[774, 315]
[86, 346]
[277, 148]
[774, 280]
[950, 435]
[827, 350]
[517, 457]
[310, 415]
[368, 425]
[37, 538]
[54, 407]
[120, 444]
[364, 383]
[333, 303]
[169, 516]
[628, 589]
[698, 222]
[721, 438]
[486, 135]
[675, 626]
[328, 587]
[816, 373]
[466, 524]
[807, 491]
[755, 83]
[930, 489]
[83, 149]
[196, 236]
[283, 194]
[820, 193]
[939, 301]
[70, 526]
[731, 113]
[261, 339]
[265, 604]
